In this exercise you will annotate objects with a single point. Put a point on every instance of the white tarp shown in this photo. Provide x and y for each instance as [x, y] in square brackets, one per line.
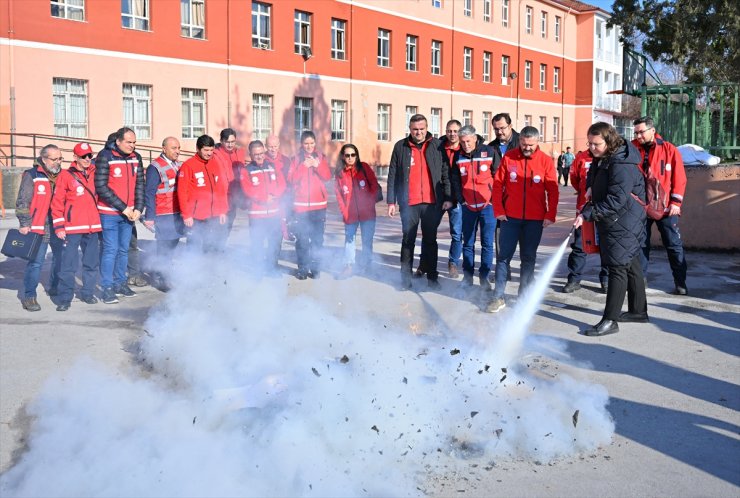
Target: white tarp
[695, 155]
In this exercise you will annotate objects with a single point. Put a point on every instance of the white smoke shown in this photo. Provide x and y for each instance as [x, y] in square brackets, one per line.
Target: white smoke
[259, 388]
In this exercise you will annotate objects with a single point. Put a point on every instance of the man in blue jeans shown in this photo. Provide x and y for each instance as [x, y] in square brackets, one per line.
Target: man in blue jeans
[119, 183]
[34, 216]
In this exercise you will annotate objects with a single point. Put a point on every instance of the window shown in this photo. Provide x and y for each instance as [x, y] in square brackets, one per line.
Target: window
[468, 8]
[135, 14]
[486, 125]
[543, 128]
[527, 120]
[412, 43]
[543, 77]
[487, 67]
[193, 18]
[303, 116]
[261, 37]
[486, 10]
[435, 125]
[137, 109]
[528, 74]
[543, 24]
[467, 63]
[384, 122]
[436, 57]
[339, 120]
[528, 21]
[68, 9]
[302, 32]
[70, 107]
[261, 116]
[193, 112]
[338, 39]
[384, 48]
[437, 4]
[558, 20]
[556, 80]
[504, 69]
[467, 117]
[556, 130]
[505, 13]
[410, 111]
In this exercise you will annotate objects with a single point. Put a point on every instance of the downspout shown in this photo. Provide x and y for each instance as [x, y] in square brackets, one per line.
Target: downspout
[518, 62]
[452, 72]
[228, 63]
[561, 85]
[11, 72]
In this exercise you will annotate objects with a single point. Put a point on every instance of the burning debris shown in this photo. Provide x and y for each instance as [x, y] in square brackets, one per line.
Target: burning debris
[575, 417]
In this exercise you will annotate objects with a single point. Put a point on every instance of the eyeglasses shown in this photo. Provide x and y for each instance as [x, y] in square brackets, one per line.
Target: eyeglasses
[501, 129]
[350, 154]
[56, 159]
[640, 132]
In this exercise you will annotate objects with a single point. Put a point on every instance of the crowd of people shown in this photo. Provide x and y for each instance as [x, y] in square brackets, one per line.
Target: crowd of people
[507, 189]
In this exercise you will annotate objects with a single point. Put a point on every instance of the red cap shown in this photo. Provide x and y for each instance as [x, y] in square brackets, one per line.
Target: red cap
[82, 149]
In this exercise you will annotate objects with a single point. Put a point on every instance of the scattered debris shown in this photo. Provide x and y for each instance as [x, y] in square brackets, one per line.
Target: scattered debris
[473, 414]
[315, 372]
[344, 359]
[194, 419]
[405, 380]
[575, 418]
[375, 428]
[503, 369]
[503, 378]
[455, 351]
[498, 433]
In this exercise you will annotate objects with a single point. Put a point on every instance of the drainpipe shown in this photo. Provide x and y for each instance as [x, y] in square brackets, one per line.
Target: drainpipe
[11, 71]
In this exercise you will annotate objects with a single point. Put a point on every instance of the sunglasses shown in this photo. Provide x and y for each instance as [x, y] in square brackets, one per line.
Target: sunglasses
[86, 156]
[350, 154]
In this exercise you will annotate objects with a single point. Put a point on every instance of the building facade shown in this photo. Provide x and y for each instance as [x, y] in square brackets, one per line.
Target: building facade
[352, 71]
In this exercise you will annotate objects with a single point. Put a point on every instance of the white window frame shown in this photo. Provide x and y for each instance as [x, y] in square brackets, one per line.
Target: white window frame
[556, 129]
[72, 10]
[384, 47]
[338, 39]
[528, 20]
[505, 13]
[527, 120]
[303, 115]
[136, 20]
[437, 4]
[486, 125]
[412, 52]
[262, 39]
[543, 77]
[527, 74]
[467, 117]
[191, 99]
[487, 10]
[558, 27]
[188, 26]
[543, 128]
[487, 66]
[505, 61]
[139, 98]
[467, 63]
[302, 21]
[410, 111]
[556, 79]
[384, 122]
[435, 121]
[338, 120]
[468, 8]
[543, 23]
[262, 110]
[436, 61]
[69, 95]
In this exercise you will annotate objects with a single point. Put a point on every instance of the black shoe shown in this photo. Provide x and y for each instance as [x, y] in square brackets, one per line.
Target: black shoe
[314, 274]
[30, 304]
[629, 316]
[89, 300]
[125, 291]
[604, 287]
[301, 274]
[604, 327]
[109, 296]
[681, 290]
[467, 280]
[63, 307]
[571, 287]
[433, 284]
[420, 271]
[137, 281]
[484, 283]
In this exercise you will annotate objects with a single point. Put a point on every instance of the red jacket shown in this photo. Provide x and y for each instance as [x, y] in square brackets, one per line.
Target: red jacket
[165, 201]
[201, 190]
[228, 161]
[43, 190]
[526, 188]
[578, 174]
[666, 164]
[357, 192]
[119, 184]
[476, 178]
[309, 190]
[262, 186]
[74, 205]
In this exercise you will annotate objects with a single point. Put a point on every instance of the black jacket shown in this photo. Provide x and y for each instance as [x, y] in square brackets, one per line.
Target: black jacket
[398, 171]
[513, 144]
[620, 219]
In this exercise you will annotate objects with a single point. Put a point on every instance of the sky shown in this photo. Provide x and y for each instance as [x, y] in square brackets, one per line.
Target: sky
[604, 4]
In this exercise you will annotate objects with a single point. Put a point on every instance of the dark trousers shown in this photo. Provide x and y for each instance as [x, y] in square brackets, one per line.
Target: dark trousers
[265, 236]
[527, 234]
[207, 235]
[429, 216]
[577, 260]
[625, 279]
[671, 237]
[134, 267]
[309, 242]
[88, 243]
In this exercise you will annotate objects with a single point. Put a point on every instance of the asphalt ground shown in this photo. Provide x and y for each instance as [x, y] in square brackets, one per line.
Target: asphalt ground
[672, 383]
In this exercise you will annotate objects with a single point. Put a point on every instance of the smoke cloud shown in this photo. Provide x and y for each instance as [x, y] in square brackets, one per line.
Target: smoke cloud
[256, 387]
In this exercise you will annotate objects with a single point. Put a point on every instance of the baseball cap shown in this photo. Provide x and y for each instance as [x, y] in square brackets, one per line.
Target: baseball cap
[82, 149]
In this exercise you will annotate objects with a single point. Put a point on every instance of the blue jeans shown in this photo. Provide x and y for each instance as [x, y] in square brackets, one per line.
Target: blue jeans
[70, 261]
[116, 238]
[368, 232]
[456, 233]
[526, 233]
[309, 243]
[671, 238]
[32, 274]
[470, 222]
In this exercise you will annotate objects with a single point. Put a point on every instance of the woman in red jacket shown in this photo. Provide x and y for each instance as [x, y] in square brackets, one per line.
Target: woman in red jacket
[308, 173]
[357, 189]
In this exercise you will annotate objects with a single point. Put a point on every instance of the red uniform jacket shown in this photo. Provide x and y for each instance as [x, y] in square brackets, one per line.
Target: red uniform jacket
[526, 188]
[578, 174]
[262, 186]
[476, 178]
[356, 193]
[201, 191]
[228, 161]
[666, 164]
[74, 205]
[43, 190]
[122, 179]
[166, 199]
[309, 190]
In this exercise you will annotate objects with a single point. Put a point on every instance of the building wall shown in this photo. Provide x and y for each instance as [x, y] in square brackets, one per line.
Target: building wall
[101, 52]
